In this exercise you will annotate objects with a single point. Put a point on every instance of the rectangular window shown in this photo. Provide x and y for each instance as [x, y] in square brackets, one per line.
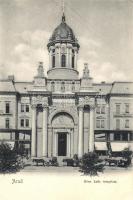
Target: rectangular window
[27, 108]
[97, 123]
[22, 122]
[117, 136]
[73, 87]
[7, 108]
[117, 109]
[27, 122]
[22, 108]
[117, 123]
[103, 110]
[124, 136]
[131, 136]
[7, 123]
[127, 108]
[102, 124]
[98, 110]
[127, 123]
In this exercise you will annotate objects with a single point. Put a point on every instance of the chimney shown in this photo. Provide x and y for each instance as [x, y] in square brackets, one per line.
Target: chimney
[11, 78]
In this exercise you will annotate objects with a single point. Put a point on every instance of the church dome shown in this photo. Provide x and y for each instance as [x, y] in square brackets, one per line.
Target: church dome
[64, 34]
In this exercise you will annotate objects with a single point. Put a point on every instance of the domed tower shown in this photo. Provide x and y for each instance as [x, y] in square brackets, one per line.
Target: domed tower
[63, 51]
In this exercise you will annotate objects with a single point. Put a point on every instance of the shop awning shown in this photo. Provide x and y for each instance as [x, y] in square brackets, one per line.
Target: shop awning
[120, 146]
[102, 146]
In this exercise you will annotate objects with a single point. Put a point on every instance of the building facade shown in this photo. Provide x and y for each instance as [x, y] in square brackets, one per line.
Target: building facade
[62, 115]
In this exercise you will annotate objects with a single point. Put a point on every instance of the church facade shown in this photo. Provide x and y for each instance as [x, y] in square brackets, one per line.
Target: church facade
[62, 114]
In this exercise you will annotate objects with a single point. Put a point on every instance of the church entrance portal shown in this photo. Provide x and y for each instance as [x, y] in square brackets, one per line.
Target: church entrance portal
[62, 144]
[63, 129]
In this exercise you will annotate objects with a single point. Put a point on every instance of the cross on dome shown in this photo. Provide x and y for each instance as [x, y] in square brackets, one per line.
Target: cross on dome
[63, 11]
[86, 71]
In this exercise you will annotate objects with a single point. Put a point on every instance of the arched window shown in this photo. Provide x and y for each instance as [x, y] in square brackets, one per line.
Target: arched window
[53, 61]
[63, 60]
[52, 86]
[73, 62]
[62, 87]
[73, 87]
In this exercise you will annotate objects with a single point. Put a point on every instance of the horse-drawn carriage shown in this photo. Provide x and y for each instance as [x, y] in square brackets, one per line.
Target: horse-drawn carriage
[45, 161]
[117, 161]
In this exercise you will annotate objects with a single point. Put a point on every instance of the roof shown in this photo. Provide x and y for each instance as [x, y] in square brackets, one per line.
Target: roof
[23, 87]
[114, 88]
[103, 88]
[122, 88]
[7, 86]
[10, 86]
[63, 33]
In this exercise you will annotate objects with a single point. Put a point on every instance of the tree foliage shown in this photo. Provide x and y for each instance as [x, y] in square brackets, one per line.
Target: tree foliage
[127, 154]
[9, 160]
[91, 164]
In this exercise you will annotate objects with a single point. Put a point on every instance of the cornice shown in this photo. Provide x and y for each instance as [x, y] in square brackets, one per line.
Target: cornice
[5, 130]
[9, 93]
[63, 95]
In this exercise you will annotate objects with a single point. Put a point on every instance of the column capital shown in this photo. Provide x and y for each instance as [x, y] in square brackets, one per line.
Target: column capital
[69, 46]
[33, 106]
[44, 105]
[92, 107]
[80, 107]
[51, 48]
[57, 45]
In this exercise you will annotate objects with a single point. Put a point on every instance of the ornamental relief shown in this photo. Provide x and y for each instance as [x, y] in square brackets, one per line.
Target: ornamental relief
[62, 120]
[25, 100]
[39, 100]
[58, 109]
[87, 101]
[40, 82]
[100, 117]
[52, 109]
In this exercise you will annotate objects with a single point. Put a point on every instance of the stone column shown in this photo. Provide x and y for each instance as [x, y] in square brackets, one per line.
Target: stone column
[91, 135]
[67, 57]
[70, 57]
[72, 147]
[59, 56]
[55, 144]
[45, 131]
[68, 145]
[50, 58]
[75, 59]
[80, 136]
[33, 138]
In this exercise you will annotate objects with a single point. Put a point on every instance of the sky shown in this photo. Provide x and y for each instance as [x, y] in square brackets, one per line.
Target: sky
[104, 29]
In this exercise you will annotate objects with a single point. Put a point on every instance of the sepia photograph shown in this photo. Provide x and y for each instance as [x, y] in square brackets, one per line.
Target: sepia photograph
[66, 99]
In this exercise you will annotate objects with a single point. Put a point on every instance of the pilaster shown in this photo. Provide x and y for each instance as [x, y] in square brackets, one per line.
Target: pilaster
[80, 136]
[33, 140]
[91, 135]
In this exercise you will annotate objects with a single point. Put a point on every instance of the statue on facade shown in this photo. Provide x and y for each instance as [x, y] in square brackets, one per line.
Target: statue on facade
[86, 71]
[40, 70]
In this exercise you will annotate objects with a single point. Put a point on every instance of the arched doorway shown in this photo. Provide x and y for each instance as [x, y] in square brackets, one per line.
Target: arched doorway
[63, 129]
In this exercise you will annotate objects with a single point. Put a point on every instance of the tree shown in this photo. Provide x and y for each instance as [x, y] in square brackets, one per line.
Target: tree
[91, 164]
[8, 159]
[127, 155]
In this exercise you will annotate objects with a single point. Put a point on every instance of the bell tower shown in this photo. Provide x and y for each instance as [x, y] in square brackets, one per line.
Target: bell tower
[63, 50]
